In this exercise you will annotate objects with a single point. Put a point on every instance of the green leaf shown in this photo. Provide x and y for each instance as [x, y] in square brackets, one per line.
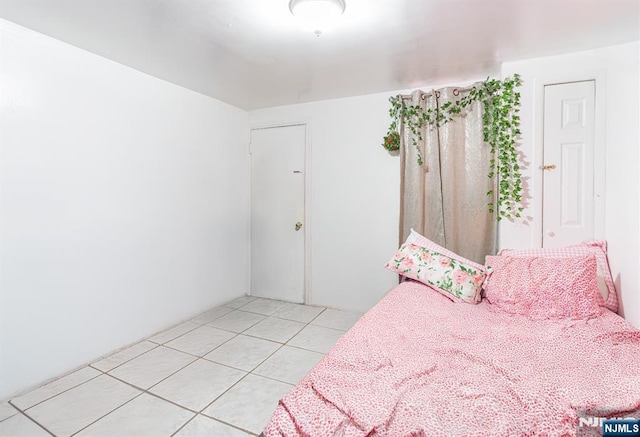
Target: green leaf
[500, 130]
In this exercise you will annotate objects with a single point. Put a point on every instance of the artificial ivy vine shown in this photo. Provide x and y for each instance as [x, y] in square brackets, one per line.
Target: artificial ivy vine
[501, 127]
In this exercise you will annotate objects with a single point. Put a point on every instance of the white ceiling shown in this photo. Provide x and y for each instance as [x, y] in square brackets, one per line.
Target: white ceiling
[252, 54]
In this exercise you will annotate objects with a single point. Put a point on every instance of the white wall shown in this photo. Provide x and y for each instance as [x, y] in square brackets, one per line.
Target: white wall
[354, 197]
[124, 206]
[616, 69]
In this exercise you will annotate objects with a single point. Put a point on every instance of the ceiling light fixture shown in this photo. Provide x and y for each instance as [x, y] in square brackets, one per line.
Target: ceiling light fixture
[318, 15]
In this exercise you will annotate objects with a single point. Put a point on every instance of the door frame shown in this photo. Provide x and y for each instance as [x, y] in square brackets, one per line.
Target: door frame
[599, 171]
[306, 292]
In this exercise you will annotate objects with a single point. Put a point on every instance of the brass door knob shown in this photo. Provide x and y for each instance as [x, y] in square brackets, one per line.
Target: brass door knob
[548, 167]
[298, 226]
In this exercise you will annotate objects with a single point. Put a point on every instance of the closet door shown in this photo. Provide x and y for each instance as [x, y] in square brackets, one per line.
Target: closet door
[568, 169]
[277, 212]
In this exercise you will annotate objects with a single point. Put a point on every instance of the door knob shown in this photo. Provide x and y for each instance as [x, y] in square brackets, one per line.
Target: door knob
[548, 167]
[298, 226]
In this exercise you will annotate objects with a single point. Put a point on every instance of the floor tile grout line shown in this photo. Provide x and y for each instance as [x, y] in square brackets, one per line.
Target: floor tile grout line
[191, 320]
[195, 358]
[184, 425]
[156, 346]
[327, 327]
[240, 310]
[215, 420]
[142, 391]
[149, 392]
[17, 410]
[280, 346]
[286, 344]
[178, 336]
[263, 361]
[262, 314]
[195, 412]
[294, 320]
[270, 339]
[57, 394]
[34, 421]
[115, 409]
[277, 380]
[47, 382]
[190, 354]
[243, 370]
[250, 373]
[200, 325]
[243, 332]
[9, 417]
[246, 303]
[229, 424]
[254, 374]
[304, 349]
[128, 346]
[275, 313]
[200, 358]
[190, 363]
[222, 394]
[194, 320]
[230, 387]
[311, 306]
[235, 332]
[179, 350]
[155, 395]
[165, 344]
[206, 353]
[238, 381]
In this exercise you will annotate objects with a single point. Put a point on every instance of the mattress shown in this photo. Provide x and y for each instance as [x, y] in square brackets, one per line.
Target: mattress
[418, 364]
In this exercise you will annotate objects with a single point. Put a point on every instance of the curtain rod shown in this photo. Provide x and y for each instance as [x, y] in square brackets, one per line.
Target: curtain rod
[424, 94]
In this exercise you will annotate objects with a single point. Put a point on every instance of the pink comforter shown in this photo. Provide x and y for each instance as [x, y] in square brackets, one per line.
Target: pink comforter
[418, 364]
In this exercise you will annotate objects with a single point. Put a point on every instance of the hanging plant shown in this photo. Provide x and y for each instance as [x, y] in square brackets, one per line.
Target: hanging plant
[412, 118]
[392, 139]
[501, 127]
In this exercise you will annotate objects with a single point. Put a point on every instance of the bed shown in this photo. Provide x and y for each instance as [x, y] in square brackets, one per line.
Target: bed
[420, 364]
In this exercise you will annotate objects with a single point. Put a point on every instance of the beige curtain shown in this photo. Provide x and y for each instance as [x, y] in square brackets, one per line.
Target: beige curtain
[445, 199]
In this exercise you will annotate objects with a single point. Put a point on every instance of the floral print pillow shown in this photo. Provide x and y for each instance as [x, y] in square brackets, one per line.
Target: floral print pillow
[451, 277]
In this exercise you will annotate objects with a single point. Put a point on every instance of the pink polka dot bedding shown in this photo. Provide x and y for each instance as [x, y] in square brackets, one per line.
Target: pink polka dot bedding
[418, 364]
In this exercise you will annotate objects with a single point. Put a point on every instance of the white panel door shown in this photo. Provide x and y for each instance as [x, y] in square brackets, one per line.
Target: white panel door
[277, 212]
[568, 169]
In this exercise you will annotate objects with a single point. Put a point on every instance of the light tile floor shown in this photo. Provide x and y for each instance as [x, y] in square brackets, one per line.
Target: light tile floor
[219, 374]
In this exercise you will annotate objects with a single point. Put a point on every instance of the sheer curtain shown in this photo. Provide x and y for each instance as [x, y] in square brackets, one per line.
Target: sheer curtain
[445, 199]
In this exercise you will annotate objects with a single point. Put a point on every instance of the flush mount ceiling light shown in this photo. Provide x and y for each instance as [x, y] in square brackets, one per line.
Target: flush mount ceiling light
[318, 15]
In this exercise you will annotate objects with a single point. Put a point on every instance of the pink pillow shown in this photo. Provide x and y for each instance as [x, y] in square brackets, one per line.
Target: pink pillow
[607, 296]
[544, 288]
[452, 275]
